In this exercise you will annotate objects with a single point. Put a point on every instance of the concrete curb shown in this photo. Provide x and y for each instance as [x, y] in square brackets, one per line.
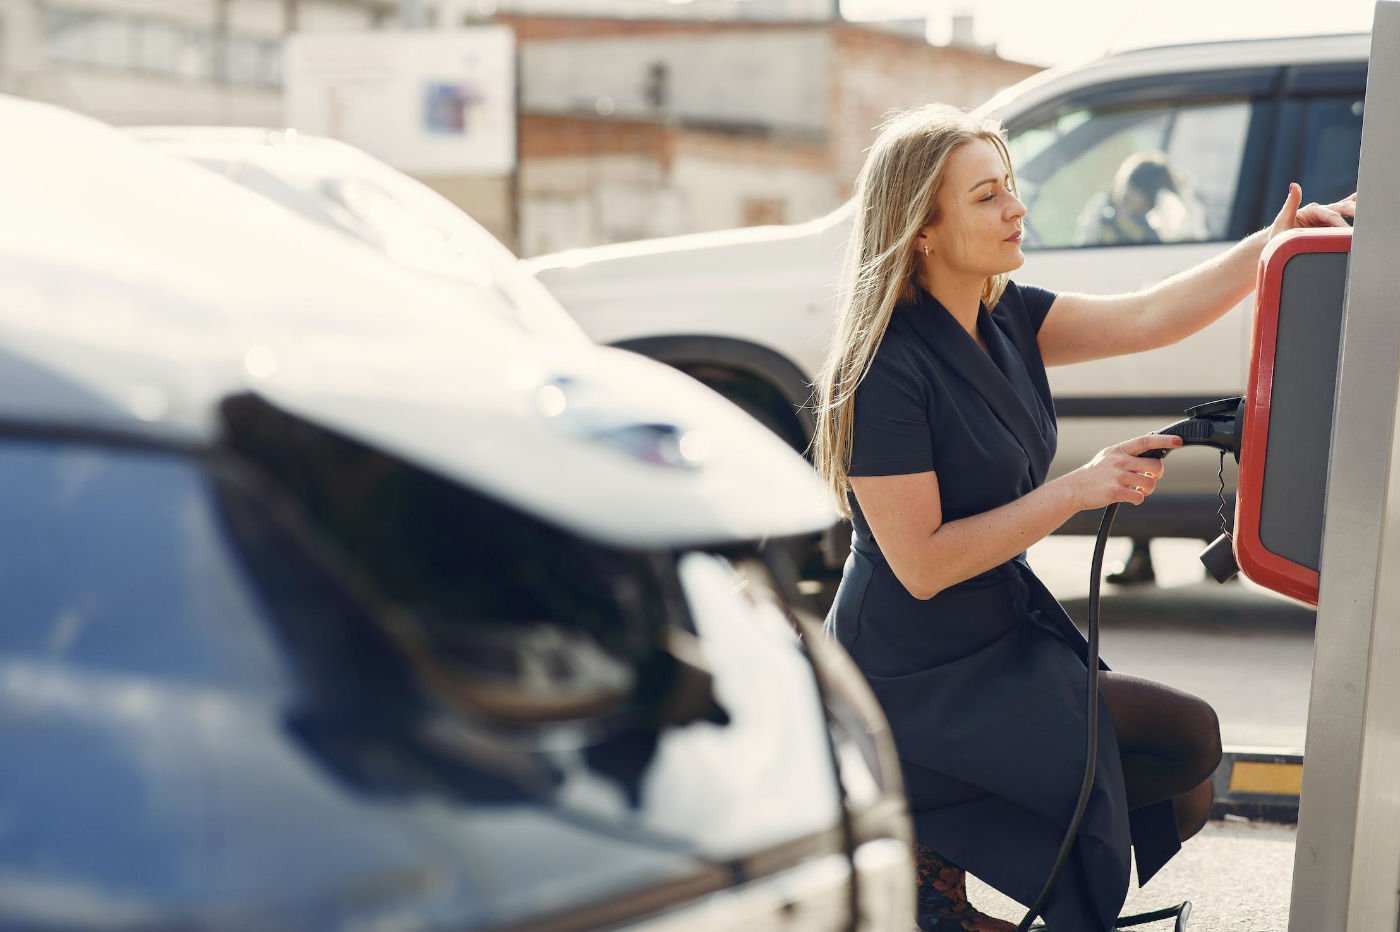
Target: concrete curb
[1258, 783]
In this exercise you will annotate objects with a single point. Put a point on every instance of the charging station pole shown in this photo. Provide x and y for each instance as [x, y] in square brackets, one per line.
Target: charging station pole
[1346, 870]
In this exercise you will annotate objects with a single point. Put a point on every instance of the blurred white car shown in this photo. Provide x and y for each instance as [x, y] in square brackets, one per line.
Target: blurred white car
[335, 599]
[1223, 126]
[347, 190]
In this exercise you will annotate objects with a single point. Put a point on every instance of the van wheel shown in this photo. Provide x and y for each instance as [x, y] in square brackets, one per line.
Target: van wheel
[759, 400]
[804, 555]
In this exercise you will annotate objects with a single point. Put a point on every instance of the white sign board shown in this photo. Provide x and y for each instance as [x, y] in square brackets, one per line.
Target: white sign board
[439, 102]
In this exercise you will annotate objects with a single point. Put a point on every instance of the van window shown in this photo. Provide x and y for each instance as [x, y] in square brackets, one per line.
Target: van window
[1331, 147]
[1124, 176]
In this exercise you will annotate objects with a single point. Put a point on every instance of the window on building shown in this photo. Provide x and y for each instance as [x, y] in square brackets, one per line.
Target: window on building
[254, 61]
[761, 211]
[157, 47]
[194, 58]
[169, 48]
[83, 38]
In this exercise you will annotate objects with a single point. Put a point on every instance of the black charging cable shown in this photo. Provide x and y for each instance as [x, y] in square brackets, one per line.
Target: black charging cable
[1091, 716]
[1216, 424]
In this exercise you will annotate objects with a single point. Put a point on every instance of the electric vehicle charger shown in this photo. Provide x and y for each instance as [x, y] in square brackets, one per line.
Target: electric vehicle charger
[1216, 424]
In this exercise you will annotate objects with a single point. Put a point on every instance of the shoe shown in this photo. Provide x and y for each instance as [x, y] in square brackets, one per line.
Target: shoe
[1137, 570]
[942, 900]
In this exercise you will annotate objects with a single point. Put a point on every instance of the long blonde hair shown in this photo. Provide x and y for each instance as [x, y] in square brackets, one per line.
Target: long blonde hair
[895, 194]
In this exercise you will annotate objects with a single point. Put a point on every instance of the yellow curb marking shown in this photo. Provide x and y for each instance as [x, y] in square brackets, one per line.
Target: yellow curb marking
[1252, 776]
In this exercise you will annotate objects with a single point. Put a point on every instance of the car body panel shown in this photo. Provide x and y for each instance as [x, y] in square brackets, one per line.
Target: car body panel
[405, 350]
[228, 716]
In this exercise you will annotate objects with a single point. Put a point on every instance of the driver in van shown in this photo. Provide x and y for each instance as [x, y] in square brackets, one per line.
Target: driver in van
[1123, 216]
[935, 432]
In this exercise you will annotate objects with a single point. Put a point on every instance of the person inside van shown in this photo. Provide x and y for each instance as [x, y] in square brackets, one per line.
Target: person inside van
[1144, 191]
[935, 431]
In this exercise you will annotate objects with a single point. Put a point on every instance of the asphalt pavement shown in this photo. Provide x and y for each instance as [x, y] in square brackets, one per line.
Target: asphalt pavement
[1237, 876]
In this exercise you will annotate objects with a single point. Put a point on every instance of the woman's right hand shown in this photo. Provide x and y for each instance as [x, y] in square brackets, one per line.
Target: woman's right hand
[1121, 473]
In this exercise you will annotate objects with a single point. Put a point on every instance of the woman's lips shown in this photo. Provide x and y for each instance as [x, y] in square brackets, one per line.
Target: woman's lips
[1014, 237]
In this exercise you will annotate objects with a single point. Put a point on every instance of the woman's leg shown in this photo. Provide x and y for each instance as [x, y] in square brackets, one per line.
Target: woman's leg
[1170, 745]
[942, 885]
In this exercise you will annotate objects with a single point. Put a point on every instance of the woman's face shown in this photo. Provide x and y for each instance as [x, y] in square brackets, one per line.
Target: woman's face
[978, 230]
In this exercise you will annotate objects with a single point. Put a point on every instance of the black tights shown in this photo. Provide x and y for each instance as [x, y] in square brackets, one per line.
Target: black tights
[1169, 742]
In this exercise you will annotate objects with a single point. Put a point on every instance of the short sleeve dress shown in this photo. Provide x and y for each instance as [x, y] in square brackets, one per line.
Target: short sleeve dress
[984, 683]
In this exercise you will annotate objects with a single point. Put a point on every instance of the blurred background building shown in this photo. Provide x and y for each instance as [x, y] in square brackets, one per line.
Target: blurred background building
[634, 118]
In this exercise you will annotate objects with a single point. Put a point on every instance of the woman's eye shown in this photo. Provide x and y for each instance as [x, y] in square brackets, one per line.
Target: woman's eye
[988, 197]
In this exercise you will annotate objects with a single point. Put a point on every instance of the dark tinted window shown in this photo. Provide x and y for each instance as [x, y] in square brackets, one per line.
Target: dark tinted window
[120, 561]
[1331, 147]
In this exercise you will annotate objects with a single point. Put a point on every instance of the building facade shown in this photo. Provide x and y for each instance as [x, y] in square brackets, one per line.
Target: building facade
[636, 118]
[165, 61]
[642, 128]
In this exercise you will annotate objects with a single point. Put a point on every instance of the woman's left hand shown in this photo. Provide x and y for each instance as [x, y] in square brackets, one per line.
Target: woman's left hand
[1293, 217]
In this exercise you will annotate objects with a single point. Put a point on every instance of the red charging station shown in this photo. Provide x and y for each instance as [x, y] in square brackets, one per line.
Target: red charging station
[1288, 410]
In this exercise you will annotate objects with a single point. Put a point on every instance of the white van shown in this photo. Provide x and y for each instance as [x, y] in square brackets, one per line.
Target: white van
[1224, 126]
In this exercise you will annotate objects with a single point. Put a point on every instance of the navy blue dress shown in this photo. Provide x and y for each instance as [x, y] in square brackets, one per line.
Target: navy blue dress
[984, 683]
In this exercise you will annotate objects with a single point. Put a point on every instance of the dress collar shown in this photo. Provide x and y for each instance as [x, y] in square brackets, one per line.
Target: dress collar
[992, 374]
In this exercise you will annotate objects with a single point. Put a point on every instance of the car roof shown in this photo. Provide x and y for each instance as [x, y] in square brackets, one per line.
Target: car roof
[1178, 58]
[138, 291]
[255, 144]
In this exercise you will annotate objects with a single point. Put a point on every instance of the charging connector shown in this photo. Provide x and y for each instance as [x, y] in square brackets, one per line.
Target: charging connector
[1218, 424]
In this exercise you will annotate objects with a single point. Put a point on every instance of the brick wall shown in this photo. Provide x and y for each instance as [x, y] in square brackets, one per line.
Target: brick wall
[874, 72]
[588, 180]
[697, 176]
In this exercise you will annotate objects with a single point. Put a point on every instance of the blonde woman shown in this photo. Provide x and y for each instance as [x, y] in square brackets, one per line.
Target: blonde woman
[935, 430]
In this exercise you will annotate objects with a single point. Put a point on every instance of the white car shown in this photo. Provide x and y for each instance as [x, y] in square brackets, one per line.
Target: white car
[335, 599]
[1224, 126]
[345, 189]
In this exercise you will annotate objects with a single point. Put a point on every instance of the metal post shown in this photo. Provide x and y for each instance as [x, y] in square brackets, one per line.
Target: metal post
[1347, 863]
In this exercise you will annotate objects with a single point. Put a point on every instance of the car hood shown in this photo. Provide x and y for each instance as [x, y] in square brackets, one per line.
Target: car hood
[755, 257]
[139, 300]
[608, 444]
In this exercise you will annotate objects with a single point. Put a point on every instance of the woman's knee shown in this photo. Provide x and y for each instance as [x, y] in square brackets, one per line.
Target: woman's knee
[1209, 750]
[1167, 723]
[1193, 809]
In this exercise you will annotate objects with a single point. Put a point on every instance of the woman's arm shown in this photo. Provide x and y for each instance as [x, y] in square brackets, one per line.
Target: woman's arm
[1082, 327]
[905, 515]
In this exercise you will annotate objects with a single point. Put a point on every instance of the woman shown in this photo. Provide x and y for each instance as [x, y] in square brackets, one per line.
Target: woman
[935, 430]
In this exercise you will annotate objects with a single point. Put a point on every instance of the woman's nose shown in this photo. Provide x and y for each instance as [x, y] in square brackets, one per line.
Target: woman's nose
[1017, 208]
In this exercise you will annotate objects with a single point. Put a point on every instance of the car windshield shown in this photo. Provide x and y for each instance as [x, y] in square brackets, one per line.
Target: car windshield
[351, 192]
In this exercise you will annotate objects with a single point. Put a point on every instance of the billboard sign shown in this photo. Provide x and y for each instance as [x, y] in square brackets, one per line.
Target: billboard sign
[427, 102]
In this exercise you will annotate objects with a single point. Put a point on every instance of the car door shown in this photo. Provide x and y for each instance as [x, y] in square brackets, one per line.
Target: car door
[1205, 137]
